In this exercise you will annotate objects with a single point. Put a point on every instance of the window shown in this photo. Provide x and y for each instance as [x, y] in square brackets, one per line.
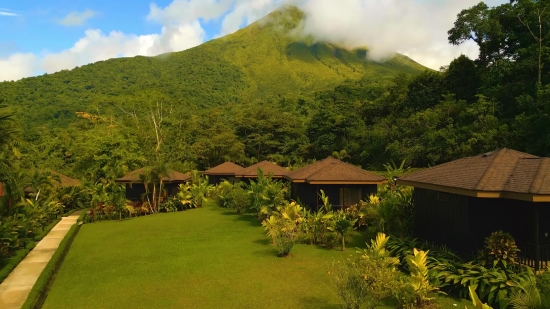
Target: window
[350, 196]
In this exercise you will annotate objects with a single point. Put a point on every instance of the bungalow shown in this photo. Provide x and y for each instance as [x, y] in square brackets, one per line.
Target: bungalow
[343, 183]
[223, 171]
[135, 187]
[251, 172]
[461, 202]
[64, 181]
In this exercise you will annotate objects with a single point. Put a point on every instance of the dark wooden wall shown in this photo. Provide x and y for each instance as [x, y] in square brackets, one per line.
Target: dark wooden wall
[135, 191]
[462, 222]
[544, 217]
[442, 218]
[217, 179]
[308, 193]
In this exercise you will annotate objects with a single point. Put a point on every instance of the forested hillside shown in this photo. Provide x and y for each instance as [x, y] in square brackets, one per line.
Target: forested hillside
[266, 93]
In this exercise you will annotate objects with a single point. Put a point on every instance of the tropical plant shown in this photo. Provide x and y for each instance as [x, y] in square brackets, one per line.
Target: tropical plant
[222, 193]
[196, 192]
[500, 250]
[284, 226]
[418, 266]
[475, 300]
[528, 295]
[367, 279]
[343, 227]
[350, 285]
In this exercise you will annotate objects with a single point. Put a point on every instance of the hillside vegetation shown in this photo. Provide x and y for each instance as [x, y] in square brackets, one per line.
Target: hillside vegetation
[265, 92]
[264, 60]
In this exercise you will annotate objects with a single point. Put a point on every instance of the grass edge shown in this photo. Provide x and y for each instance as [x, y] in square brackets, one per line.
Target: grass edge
[39, 291]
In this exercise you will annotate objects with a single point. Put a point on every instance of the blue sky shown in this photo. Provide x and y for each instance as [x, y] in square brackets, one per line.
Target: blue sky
[48, 36]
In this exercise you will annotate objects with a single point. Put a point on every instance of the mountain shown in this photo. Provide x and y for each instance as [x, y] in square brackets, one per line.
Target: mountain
[264, 60]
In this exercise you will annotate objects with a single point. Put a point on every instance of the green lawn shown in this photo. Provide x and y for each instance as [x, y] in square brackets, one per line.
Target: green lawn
[201, 258]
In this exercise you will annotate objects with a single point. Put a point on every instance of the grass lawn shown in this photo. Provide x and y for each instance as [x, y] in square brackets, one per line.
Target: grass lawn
[201, 258]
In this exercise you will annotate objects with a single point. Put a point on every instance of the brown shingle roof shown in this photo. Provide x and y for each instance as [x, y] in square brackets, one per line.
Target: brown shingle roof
[226, 168]
[266, 166]
[173, 176]
[503, 170]
[64, 181]
[335, 171]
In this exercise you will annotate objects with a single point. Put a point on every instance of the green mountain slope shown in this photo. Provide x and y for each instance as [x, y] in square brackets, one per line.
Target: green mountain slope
[261, 61]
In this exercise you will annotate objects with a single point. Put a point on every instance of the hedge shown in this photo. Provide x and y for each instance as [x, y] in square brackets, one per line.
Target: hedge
[22, 253]
[39, 291]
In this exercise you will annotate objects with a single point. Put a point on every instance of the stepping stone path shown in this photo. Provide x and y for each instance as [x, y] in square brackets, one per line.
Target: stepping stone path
[17, 286]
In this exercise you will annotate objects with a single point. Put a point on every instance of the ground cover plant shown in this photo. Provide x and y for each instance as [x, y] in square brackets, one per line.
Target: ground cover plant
[205, 258]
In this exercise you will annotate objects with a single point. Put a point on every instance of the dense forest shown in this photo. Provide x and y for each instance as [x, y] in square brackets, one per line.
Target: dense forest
[266, 93]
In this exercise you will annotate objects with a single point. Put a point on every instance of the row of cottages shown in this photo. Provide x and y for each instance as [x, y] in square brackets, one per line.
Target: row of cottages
[344, 184]
[235, 173]
[459, 203]
[135, 189]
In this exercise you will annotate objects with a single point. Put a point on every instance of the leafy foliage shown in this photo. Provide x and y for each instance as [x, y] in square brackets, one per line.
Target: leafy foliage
[500, 250]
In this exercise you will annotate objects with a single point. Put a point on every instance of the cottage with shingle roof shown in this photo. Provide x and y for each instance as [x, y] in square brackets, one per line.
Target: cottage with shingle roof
[343, 183]
[135, 187]
[224, 171]
[268, 168]
[60, 181]
[461, 202]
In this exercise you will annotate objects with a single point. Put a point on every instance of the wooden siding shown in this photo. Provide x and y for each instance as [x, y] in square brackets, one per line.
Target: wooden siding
[441, 218]
[308, 194]
[135, 191]
[512, 216]
[217, 179]
[544, 229]
[462, 222]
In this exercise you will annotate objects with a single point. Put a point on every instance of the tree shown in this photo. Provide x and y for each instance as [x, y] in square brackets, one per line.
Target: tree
[8, 128]
[477, 24]
[462, 79]
[540, 11]
[425, 91]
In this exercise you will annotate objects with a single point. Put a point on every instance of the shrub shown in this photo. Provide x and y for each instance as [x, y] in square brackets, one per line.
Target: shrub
[351, 287]
[284, 227]
[368, 279]
[237, 199]
[221, 193]
[493, 285]
[500, 250]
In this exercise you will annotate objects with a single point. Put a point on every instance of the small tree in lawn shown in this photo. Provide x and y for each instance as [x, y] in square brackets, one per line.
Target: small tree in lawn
[284, 226]
[343, 227]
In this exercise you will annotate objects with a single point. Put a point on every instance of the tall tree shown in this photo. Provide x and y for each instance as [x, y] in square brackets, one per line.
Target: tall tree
[8, 127]
[462, 79]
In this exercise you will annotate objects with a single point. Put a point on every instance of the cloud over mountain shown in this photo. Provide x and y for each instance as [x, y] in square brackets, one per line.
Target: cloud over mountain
[416, 28]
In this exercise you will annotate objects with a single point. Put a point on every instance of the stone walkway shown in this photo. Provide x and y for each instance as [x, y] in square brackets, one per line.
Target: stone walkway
[17, 286]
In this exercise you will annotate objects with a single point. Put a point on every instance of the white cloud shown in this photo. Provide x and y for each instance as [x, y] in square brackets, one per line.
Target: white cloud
[17, 66]
[187, 11]
[96, 46]
[76, 18]
[247, 12]
[417, 28]
[8, 12]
